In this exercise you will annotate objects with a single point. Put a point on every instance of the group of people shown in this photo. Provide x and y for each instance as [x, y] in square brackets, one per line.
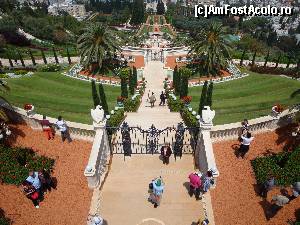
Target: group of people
[60, 124]
[245, 138]
[35, 185]
[152, 98]
[278, 201]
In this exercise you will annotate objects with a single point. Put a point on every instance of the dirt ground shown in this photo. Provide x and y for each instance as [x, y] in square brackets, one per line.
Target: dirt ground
[70, 202]
[235, 200]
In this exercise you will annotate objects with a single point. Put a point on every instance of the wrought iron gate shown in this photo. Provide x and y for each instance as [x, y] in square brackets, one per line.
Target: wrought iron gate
[135, 140]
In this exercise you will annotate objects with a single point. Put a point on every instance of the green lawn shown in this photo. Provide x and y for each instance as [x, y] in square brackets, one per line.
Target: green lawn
[249, 97]
[53, 94]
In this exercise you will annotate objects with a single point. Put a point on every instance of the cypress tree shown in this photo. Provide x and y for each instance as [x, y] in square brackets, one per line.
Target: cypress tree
[95, 96]
[55, 56]
[185, 73]
[209, 94]
[32, 57]
[267, 58]
[103, 99]
[131, 83]
[21, 58]
[44, 57]
[203, 98]
[135, 76]
[69, 58]
[124, 74]
[10, 62]
[176, 80]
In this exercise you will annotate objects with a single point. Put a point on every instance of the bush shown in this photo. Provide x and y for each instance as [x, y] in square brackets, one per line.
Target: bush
[20, 72]
[278, 71]
[116, 119]
[15, 164]
[50, 68]
[132, 105]
[284, 166]
[2, 75]
[188, 118]
[175, 105]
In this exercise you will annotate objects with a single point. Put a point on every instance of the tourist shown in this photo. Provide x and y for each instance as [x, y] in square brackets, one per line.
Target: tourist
[152, 100]
[4, 130]
[195, 184]
[166, 152]
[162, 98]
[62, 127]
[267, 186]
[245, 126]
[296, 190]
[46, 126]
[246, 139]
[31, 193]
[34, 180]
[46, 180]
[157, 191]
[207, 181]
[278, 201]
[148, 95]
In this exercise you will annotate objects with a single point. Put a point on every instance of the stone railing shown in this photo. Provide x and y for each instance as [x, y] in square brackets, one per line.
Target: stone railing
[77, 130]
[267, 123]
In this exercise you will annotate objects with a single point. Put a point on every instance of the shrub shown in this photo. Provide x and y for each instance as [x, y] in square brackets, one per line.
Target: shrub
[132, 105]
[15, 164]
[175, 105]
[284, 166]
[186, 99]
[278, 71]
[20, 72]
[116, 119]
[2, 75]
[188, 118]
[50, 68]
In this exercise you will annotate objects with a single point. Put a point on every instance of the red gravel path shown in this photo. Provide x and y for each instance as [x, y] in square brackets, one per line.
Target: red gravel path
[234, 199]
[70, 203]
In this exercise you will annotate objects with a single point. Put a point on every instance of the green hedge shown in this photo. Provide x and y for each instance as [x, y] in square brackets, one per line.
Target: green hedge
[13, 161]
[175, 105]
[20, 72]
[188, 118]
[285, 166]
[116, 119]
[132, 105]
[50, 68]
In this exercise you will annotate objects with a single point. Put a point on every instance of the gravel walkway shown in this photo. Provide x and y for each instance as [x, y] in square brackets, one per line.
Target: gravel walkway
[234, 200]
[70, 203]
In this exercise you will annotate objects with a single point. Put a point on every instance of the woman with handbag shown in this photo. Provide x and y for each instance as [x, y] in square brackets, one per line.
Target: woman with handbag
[31, 193]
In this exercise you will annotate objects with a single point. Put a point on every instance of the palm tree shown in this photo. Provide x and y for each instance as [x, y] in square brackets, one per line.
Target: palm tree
[96, 45]
[212, 45]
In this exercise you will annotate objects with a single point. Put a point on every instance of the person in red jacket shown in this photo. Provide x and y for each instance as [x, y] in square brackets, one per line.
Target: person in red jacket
[166, 152]
[195, 184]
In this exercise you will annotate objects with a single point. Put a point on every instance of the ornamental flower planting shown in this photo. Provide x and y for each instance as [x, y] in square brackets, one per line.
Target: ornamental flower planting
[277, 108]
[120, 99]
[28, 107]
[186, 99]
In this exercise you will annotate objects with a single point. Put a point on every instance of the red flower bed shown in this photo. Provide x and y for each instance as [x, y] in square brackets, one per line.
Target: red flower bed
[278, 108]
[28, 106]
[186, 99]
[120, 99]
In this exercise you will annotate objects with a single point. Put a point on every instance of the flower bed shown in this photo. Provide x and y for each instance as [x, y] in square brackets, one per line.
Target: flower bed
[284, 166]
[15, 164]
[50, 68]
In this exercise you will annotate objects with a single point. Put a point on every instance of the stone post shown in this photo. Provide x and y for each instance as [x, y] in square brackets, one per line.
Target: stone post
[204, 152]
[100, 150]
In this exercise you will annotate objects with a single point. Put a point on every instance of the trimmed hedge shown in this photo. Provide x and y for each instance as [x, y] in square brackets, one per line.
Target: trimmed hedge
[284, 166]
[50, 68]
[175, 105]
[132, 105]
[188, 118]
[116, 119]
[292, 72]
[15, 164]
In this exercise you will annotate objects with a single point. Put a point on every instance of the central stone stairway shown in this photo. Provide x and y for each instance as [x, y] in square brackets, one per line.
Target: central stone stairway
[125, 192]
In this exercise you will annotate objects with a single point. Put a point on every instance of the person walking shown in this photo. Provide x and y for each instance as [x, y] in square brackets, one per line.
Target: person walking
[152, 100]
[207, 181]
[166, 152]
[47, 129]
[195, 184]
[246, 139]
[157, 191]
[162, 98]
[62, 127]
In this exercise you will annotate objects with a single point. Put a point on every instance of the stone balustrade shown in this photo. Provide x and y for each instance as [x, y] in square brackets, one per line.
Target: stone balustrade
[77, 130]
[267, 123]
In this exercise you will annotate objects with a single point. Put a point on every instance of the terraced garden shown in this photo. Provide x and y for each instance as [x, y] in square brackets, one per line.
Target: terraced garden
[249, 97]
[53, 94]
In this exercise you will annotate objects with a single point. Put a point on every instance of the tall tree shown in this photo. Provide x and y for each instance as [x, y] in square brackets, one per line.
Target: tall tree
[96, 45]
[44, 57]
[103, 99]
[203, 98]
[95, 96]
[135, 76]
[212, 45]
[69, 58]
[55, 56]
[131, 82]
[138, 12]
[160, 8]
[209, 94]
[267, 58]
[32, 57]
[185, 73]
[21, 58]
[124, 74]
[176, 80]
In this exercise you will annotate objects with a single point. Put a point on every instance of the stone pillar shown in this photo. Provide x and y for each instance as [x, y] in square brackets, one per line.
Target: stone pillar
[97, 163]
[204, 153]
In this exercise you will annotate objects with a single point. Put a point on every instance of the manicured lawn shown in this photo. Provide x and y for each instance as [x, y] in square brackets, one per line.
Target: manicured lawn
[249, 97]
[53, 94]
